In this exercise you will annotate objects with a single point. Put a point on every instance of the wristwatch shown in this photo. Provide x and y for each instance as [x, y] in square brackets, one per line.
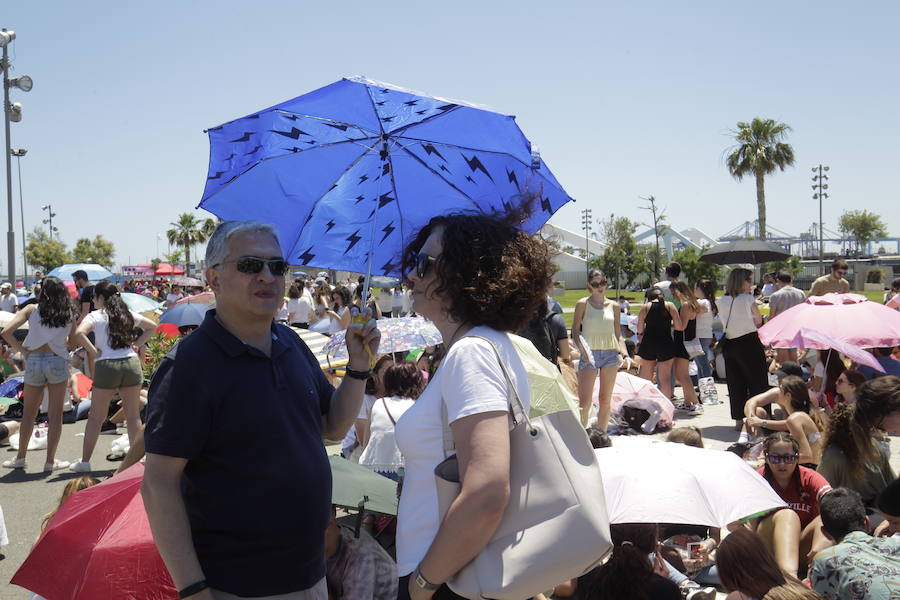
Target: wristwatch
[423, 583]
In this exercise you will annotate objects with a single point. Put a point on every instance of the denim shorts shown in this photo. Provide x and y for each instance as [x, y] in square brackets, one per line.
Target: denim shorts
[602, 359]
[42, 368]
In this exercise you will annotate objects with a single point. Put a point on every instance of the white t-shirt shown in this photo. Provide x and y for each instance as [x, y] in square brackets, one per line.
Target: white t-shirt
[741, 321]
[381, 453]
[470, 381]
[171, 299]
[299, 309]
[335, 325]
[100, 322]
[398, 299]
[704, 320]
[385, 301]
[8, 302]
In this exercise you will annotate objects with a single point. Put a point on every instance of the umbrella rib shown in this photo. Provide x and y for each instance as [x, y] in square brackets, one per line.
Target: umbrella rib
[428, 119]
[438, 175]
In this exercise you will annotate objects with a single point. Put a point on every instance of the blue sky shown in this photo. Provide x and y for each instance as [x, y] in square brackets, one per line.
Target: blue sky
[623, 99]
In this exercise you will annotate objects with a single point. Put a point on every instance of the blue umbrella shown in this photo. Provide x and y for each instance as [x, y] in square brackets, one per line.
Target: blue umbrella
[348, 172]
[139, 303]
[186, 313]
[94, 272]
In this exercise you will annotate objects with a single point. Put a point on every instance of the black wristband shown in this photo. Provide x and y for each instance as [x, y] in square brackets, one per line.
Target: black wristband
[363, 375]
[193, 589]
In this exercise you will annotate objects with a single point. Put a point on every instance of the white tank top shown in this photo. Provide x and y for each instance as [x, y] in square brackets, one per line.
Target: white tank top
[736, 316]
[40, 334]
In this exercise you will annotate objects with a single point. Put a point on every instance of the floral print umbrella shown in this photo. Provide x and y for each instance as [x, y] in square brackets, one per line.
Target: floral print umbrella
[404, 333]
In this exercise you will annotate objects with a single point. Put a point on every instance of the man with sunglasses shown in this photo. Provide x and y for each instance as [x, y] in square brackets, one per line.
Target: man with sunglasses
[237, 484]
[833, 282]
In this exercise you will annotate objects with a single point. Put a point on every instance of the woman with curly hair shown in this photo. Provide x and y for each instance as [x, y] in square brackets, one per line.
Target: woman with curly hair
[339, 313]
[117, 365]
[597, 320]
[856, 453]
[51, 322]
[477, 277]
[801, 488]
[749, 572]
[689, 311]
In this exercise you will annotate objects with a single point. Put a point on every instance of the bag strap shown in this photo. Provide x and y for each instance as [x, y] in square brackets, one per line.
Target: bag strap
[728, 320]
[449, 445]
[387, 410]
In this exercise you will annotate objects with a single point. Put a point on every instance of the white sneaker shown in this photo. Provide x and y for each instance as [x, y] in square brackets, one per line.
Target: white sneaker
[695, 409]
[56, 465]
[17, 463]
[81, 466]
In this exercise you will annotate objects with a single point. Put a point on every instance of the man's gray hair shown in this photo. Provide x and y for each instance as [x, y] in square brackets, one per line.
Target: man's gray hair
[217, 247]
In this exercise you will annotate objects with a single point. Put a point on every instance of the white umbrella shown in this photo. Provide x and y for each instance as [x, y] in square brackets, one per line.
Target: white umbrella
[664, 482]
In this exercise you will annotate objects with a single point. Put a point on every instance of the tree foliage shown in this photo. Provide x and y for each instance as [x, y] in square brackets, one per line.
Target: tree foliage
[862, 226]
[759, 151]
[174, 257]
[621, 256]
[44, 252]
[693, 269]
[793, 265]
[98, 250]
[189, 231]
[659, 228]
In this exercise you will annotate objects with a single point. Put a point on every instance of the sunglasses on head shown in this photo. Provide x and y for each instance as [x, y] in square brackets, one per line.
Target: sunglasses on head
[422, 263]
[596, 284]
[781, 458]
[253, 265]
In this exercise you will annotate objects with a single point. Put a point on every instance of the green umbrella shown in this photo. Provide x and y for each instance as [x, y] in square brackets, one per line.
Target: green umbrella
[139, 303]
[357, 488]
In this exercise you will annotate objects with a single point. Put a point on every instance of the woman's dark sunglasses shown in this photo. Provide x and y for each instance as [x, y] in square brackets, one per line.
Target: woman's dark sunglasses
[253, 265]
[422, 262]
[781, 458]
[596, 284]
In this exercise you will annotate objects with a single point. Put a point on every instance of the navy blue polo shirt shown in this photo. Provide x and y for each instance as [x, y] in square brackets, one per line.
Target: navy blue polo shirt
[257, 485]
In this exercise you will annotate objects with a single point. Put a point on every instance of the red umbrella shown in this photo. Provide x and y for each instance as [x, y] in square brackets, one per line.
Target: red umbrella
[99, 546]
[850, 318]
[70, 285]
[167, 269]
[167, 329]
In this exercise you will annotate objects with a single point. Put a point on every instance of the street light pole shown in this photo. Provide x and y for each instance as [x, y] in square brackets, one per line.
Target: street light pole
[19, 154]
[820, 185]
[586, 224]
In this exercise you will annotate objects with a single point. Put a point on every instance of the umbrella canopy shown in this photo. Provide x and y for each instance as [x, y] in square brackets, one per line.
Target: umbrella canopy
[640, 393]
[753, 252]
[380, 281]
[94, 271]
[139, 302]
[849, 318]
[167, 269]
[404, 333]
[664, 482]
[186, 281]
[316, 342]
[351, 170]
[99, 545]
[358, 488]
[810, 338]
[205, 298]
[185, 314]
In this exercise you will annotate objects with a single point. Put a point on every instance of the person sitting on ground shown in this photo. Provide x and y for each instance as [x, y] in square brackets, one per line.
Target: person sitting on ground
[771, 395]
[855, 453]
[749, 572]
[857, 566]
[847, 386]
[804, 421]
[827, 370]
[787, 538]
[74, 485]
[358, 435]
[884, 356]
[888, 506]
[8, 427]
[689, 436]
[357, 568]
[403, 383]
[629, 572]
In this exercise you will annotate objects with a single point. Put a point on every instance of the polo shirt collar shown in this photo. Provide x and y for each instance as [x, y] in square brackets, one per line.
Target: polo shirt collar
[229, 343]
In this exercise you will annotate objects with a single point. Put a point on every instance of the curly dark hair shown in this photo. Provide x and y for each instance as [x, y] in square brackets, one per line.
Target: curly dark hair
[55, 305]
[344, 294]
[853, 427]
[403, 379]
[493, 273]
[121, 323]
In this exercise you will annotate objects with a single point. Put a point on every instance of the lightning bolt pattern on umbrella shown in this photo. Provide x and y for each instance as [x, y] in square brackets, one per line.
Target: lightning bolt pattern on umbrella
[348, 172]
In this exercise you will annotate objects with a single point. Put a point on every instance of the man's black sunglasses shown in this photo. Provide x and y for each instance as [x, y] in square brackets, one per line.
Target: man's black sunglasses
[422, 263]
[253, 265]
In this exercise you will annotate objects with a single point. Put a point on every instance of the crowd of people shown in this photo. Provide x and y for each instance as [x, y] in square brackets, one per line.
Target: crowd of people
[812, 424]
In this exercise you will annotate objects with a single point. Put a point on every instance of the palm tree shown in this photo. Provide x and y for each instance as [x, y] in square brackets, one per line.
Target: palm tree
[759, 150]
[189, 231]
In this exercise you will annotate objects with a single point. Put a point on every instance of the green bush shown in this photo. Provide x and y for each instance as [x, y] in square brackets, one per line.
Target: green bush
[875, 276]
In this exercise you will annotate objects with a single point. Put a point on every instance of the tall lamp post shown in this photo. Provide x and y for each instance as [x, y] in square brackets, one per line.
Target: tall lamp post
[49, 219]
[19, 154]
[819, 186]
[586, 224]
[11, 112]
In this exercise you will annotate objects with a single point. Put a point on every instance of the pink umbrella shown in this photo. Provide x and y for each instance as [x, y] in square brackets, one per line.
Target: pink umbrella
[850, 318]
[810, 338]
[207, 298]
[640, 393]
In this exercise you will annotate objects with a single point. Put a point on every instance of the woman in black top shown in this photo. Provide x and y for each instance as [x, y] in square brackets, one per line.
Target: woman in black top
[654, 328]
